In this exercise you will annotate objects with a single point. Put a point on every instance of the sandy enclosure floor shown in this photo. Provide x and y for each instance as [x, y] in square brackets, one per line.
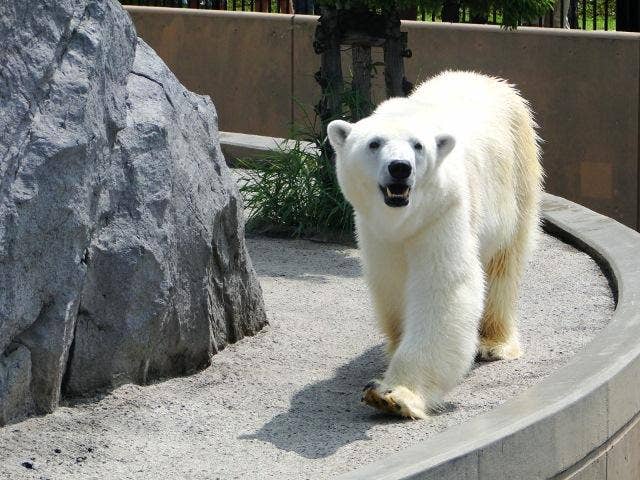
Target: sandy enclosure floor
[285, 403]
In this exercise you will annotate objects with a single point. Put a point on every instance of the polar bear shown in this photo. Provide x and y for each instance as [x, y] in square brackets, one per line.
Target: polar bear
[446, 187]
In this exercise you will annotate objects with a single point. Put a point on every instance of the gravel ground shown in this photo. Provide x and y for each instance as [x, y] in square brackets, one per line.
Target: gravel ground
[285, 403]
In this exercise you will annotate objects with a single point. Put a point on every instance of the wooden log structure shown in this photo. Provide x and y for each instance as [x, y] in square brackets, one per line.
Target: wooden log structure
[360, 30]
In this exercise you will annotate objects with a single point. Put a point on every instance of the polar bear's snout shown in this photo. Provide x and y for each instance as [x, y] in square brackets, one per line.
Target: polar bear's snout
[399, 169]
[395, 182]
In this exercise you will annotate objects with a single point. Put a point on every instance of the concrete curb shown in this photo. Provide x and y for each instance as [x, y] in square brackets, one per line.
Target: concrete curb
[581, 422]
[242, 146]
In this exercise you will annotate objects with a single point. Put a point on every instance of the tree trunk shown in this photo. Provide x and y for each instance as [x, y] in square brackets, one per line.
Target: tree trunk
[361, 83]
[573, 13]
[628, 16]
[327, 44]
[395, 48]
[480, 12]
[409, 13]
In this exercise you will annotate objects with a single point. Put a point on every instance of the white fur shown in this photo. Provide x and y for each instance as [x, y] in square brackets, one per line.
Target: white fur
[471, 219]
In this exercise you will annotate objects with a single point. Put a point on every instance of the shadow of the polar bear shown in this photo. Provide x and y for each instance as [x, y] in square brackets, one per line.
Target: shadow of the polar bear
[327, 415]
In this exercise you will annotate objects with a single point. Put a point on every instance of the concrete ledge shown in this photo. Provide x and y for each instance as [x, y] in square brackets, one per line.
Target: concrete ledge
[241, 145]
[581, 422]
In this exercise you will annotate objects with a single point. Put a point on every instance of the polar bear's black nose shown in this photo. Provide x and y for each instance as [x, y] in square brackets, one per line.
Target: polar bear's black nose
[399, 169]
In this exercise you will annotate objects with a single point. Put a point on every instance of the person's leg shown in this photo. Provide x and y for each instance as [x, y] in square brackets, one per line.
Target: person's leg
[409, 13]
[286, 6]
[304, 7]
[261, 5]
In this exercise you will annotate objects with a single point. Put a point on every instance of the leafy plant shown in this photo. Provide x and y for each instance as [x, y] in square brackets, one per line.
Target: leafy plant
[293, 191]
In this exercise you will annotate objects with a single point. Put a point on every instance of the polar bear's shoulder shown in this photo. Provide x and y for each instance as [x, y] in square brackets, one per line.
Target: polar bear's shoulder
[468, 91]
[454, 99]
[456, 84]
[395, 107]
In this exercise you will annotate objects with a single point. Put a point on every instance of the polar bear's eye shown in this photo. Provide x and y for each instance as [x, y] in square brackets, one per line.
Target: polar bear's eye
[374, 145]
[417, 146]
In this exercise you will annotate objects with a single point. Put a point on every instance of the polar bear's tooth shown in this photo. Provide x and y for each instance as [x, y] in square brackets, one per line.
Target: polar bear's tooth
[389, 192]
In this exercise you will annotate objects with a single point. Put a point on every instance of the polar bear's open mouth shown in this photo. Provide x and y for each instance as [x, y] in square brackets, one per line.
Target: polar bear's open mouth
[396, 194]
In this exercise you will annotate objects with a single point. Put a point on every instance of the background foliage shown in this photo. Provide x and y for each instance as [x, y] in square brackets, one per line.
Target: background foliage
[511, 11]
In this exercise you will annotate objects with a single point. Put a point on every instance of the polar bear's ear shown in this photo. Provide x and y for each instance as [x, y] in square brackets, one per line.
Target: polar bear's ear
[444, 145]
[338, 131]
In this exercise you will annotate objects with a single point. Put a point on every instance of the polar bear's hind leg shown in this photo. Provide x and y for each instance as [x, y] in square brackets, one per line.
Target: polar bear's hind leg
[498, 328]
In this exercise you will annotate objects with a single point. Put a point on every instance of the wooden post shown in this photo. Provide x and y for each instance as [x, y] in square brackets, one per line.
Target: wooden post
[327, 45]
[361, 29]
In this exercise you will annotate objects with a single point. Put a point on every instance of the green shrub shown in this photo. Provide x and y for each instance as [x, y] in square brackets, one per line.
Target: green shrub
[293, 191]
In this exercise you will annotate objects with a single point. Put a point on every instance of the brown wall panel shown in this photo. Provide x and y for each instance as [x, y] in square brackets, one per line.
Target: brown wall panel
[584, 87]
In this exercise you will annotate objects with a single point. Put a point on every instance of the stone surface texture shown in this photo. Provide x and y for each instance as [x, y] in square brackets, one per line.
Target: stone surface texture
[122, 253]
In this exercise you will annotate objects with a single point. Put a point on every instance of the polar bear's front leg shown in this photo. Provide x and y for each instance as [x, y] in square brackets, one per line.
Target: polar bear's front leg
[444, 302]
[385, 268]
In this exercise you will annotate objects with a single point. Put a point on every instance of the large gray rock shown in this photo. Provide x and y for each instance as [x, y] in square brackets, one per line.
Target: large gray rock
[122, 254]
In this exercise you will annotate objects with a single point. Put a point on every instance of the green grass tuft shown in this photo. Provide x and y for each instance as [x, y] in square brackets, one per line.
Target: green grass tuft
[293, 191]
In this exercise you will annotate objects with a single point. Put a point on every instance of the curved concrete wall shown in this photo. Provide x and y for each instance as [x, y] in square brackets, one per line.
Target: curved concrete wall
[584, 86]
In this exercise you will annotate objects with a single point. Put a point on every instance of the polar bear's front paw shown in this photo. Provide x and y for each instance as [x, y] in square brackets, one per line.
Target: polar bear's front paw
[398, 400]
[490, 350]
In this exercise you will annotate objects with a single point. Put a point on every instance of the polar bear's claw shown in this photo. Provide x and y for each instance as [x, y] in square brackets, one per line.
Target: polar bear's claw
[491, 350]
[370, 385]
[396, 401]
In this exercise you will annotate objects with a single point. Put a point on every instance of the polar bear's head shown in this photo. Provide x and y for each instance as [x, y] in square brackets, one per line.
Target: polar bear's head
[386, 158]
